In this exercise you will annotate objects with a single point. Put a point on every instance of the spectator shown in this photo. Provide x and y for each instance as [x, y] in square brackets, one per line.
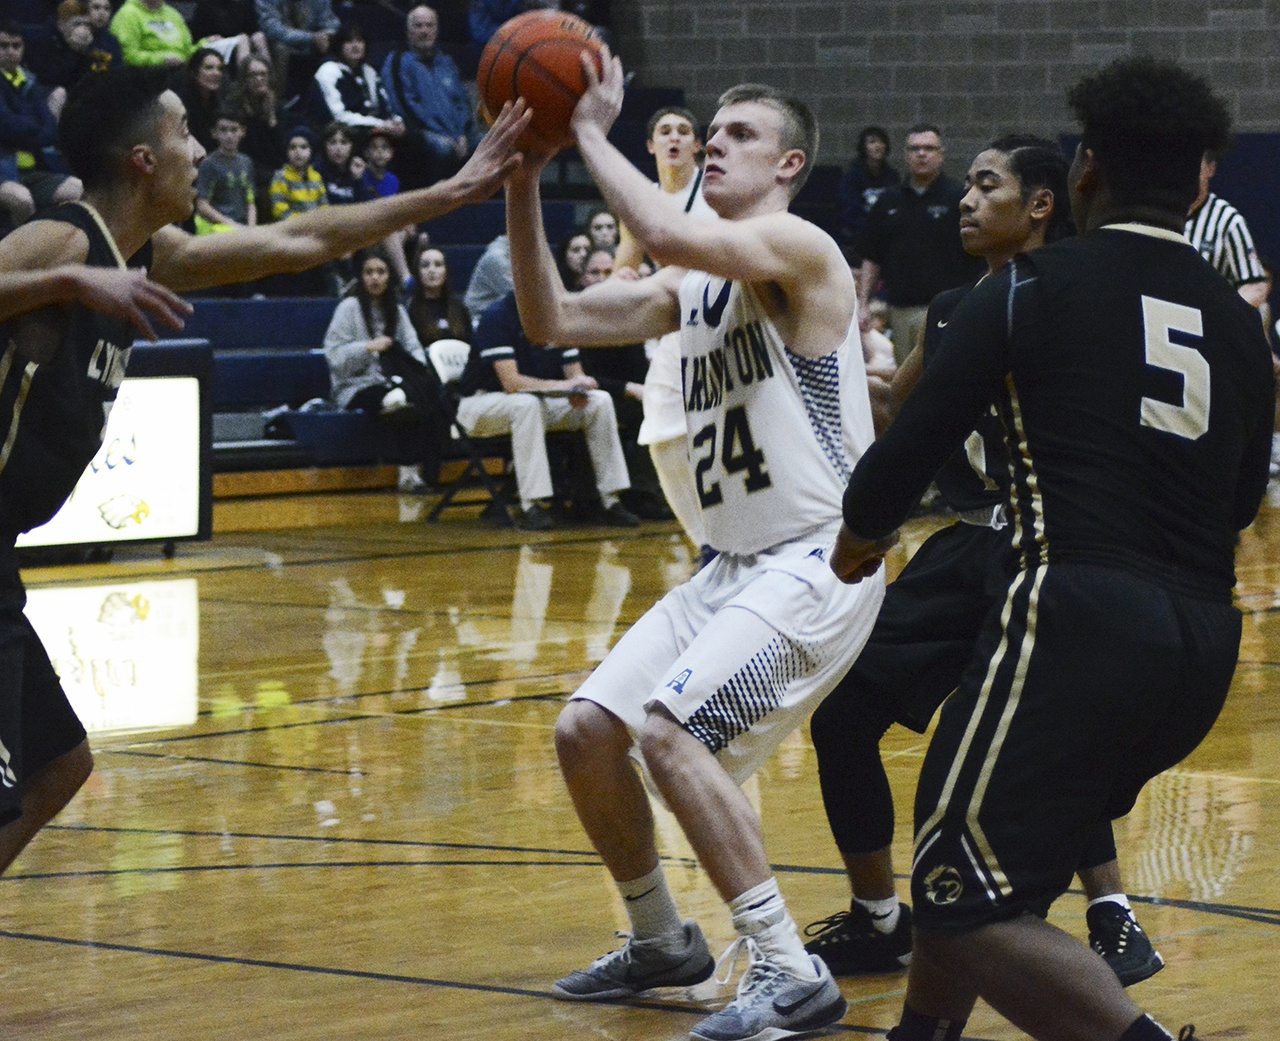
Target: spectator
[100, 12]
[224, 182]
[603, 229]
[216, 20]
[377, 365]
[201, 92]
[151, 32]
[485, 16]
[912, 241]
[297, 187]
[348, 90]
[425, 91]
[253, 100]
[298, 33]
[620, 372]
[511, 386]
[339, 166]
[571, 259]
[490, 278]
[862, 184]
[29, 161]
[377, 183]
[434, 308]
[62, 56]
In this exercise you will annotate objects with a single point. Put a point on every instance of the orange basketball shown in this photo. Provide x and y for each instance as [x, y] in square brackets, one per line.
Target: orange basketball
[538, 56]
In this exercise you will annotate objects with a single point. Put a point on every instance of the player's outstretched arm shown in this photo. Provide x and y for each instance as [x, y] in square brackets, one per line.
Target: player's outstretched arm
[42, 263]
[613, 312]
[186, 262]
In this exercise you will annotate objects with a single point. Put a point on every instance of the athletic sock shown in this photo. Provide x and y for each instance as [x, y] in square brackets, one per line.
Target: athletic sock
[1114, 898]
[1144, 1028]
[915, 1027]
[651, 908]
[608, 500]
[762, 914]
[884, 913]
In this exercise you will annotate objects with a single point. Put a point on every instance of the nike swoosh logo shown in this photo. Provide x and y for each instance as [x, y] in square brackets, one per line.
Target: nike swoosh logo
[785, 1009]
[632, 899]
[942, 325]
[713, 311]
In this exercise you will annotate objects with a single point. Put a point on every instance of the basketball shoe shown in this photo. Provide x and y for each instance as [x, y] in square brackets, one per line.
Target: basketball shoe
[771, 1004]
[640, 965]
[850, 943]
[1115, 935]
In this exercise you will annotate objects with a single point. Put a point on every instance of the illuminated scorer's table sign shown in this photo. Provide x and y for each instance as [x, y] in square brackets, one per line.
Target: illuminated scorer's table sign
[126, 652]
[145, 482]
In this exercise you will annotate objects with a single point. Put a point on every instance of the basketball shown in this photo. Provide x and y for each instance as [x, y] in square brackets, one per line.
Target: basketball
[538, 56]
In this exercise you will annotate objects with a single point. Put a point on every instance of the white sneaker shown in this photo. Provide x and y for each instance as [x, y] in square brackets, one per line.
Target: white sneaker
[637, 966]
[410, 480]
[394, 400]
[771, 1003]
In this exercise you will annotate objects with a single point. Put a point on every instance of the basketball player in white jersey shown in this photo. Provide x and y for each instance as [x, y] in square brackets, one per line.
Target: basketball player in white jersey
[706, 684]
[674, 139]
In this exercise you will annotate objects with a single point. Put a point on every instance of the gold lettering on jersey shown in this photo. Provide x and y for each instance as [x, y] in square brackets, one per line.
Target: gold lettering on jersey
[107, 363]
[742, 360]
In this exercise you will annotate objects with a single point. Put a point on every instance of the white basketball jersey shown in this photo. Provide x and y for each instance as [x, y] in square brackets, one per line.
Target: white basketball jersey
[773, 436]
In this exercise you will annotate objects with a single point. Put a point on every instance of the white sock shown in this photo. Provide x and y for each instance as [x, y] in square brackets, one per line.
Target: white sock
[1114, 898]
[761, 914]
[884, 913]
[608, 500]
[650, 907]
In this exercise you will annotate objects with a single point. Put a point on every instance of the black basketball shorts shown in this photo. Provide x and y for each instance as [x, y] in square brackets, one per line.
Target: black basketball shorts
[1086, 683]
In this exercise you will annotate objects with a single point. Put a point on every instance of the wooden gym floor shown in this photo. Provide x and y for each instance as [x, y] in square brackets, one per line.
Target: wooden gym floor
[326, 802]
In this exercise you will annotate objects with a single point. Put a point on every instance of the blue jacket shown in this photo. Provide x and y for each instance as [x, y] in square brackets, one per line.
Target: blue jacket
[26, 124]
[429, 96]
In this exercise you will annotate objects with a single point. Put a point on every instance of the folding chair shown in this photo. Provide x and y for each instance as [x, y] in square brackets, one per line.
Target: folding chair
[449, 357]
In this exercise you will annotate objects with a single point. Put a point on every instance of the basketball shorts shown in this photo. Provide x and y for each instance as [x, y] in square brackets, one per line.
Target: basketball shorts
[929, 622]
[1085, 684]
[664, 415]
[37, 723]
[742, 653]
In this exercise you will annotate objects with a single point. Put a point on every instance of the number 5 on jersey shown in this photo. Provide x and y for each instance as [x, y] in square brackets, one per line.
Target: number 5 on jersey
[738, 454]
[1190, 419]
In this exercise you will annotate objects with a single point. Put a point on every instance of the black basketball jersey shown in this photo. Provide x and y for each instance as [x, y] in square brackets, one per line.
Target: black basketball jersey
[975, 478]
[1136, 393]
[53, 414]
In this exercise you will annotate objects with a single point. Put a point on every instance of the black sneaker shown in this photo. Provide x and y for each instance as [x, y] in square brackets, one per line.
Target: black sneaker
[618, 516]
[536, 518]
[1115, 935]
[1188, 1033]
[850, 943]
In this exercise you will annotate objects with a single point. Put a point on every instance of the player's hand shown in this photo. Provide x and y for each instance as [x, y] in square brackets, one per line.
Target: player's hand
[131, 295]
[495, 157]
[854, 558]
[600, 105]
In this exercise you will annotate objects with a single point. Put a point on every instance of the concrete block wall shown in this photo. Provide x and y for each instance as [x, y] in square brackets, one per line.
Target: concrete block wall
[977, 68]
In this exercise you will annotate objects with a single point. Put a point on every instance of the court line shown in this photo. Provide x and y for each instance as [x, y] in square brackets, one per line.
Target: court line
[228, 762]
[677, 1008]
[1261, 915]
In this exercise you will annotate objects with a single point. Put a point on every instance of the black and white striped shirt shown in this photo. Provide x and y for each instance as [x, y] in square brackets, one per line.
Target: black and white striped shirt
[1219, 233]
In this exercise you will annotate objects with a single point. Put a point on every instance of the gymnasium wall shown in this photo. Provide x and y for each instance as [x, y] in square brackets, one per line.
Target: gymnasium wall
[974, 67]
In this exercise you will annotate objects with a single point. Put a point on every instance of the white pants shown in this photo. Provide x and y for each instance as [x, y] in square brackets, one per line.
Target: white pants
[528, 418]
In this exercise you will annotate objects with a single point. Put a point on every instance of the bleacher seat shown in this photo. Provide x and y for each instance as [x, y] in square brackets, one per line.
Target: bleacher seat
[481, 224]
[279, 323]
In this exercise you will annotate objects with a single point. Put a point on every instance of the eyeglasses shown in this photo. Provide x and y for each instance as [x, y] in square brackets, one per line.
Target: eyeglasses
[924, 148]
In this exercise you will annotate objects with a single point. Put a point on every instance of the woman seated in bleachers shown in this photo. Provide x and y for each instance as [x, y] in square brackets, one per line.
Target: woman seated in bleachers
[436, 311]
[377, 364]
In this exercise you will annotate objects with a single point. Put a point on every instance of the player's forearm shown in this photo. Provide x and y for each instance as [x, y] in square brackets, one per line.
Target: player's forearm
[537, 281]
[22, 292]
[653, 219]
